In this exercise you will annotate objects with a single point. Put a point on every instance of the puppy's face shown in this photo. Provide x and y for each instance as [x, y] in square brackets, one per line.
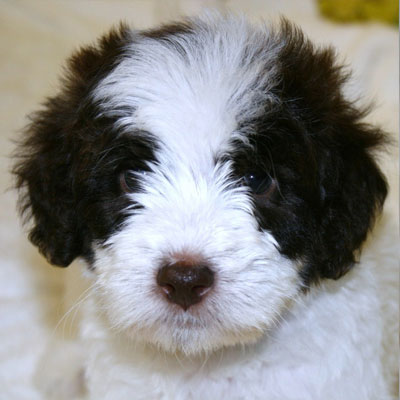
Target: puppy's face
[208, 172]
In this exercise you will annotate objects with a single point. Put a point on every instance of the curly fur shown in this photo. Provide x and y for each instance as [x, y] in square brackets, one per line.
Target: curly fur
[192, 108]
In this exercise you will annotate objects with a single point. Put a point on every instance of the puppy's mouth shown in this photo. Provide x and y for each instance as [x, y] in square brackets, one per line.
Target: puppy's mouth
[195, 316]
[191, 336]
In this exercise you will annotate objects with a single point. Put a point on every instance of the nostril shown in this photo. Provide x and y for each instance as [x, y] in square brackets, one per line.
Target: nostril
[185, 285]
[200, 290]
[167, 289]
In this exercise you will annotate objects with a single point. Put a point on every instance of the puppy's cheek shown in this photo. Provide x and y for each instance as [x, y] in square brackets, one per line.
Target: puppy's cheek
[125, 282]
[259, 294]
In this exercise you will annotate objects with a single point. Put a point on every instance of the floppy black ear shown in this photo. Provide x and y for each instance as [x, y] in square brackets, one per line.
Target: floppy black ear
[44, 172]
[352, 190]
[348, 189]
[50, 150]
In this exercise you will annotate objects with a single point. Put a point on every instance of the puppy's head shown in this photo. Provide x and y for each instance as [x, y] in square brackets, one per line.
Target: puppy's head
[207, 172]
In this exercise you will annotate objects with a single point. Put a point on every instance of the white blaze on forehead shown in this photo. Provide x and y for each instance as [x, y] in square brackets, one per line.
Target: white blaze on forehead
[194, 88]
[192, 91]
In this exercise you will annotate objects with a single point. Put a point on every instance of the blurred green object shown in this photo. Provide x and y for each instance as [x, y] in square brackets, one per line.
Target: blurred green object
[360, 10]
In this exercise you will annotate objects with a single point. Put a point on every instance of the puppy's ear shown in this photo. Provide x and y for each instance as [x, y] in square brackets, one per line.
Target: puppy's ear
[50, 152]
[352, 190]
[340, 146]
[45, 173]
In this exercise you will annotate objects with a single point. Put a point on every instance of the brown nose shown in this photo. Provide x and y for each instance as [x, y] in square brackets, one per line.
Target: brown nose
[183, 284]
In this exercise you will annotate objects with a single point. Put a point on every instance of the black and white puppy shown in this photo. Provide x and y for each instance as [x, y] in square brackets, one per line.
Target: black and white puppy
[219, 186]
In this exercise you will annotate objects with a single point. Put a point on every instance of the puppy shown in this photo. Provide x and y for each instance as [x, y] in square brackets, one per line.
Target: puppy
[219, 187]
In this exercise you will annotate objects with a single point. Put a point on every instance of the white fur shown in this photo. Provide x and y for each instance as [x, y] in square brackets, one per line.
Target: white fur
[326, 347]
[193, 106]
[255, 336]
[195, 101]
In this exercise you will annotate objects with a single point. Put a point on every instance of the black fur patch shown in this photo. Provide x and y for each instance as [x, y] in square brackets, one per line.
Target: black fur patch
[314, 144]
[69, 160]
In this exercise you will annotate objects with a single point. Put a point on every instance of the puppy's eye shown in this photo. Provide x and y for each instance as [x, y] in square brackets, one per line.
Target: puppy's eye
[259, 183]
[128, 179]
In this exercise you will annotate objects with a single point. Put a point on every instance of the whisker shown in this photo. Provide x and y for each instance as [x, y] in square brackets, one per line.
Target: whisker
[83, 297]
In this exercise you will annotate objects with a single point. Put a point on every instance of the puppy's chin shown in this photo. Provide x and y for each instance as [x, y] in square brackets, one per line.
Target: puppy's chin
[191, 340]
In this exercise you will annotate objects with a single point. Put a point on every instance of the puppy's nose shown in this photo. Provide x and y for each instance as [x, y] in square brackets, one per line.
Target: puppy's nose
[184, 284]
